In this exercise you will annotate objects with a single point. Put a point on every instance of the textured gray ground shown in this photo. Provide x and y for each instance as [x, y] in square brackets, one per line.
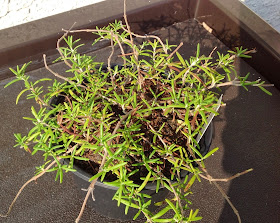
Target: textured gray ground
[247, 133]
[269, 10]
[16, 12]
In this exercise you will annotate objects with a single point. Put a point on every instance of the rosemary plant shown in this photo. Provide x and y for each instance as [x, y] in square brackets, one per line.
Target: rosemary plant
[137, 121]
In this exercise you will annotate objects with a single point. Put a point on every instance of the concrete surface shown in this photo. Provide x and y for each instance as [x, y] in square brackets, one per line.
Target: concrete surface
[269, 10]
[247, 133]
[16, 12]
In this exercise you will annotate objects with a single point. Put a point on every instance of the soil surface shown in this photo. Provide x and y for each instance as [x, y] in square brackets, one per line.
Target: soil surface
[155, 121]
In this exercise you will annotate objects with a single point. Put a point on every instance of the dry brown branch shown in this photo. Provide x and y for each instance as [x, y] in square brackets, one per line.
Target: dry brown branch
[110, 57]
[237, 83]
[147, 37]
[210, 55]
[126, 54]
[58, 75]
[174, 51]
[228, 200]
[209, 178]
[92, 184]
[160, 138]
[136, 35]
[24, 185]
[33, 179]
[121, 47]
[135, 53]
[222, 191]
[92, 31]
[128, 26]
[196, 77]
[58, 46]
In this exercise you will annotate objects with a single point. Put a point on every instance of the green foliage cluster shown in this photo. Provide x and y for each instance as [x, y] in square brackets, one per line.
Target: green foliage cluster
[130, 112]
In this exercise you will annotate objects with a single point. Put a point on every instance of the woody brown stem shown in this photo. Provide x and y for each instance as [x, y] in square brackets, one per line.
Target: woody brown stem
[34, 179]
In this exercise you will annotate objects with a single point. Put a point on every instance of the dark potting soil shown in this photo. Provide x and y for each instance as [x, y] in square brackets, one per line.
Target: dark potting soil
[156, 120]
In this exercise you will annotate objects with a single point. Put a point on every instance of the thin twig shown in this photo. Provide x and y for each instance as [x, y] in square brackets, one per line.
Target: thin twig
[210, 55]
[135, 53]
[147, 37]
[237, 83]
[226, 179]
[130, 33]
[110, 57]
[228, 200]
[215, 183]
[24, 185]
[161, 139]
[177, 48]
[58, 46]
[206, 61]
[196, 77]
[33, 179]
[121, 47]
[99, 30]
[58, 75]
[127, 25]
[39, 100]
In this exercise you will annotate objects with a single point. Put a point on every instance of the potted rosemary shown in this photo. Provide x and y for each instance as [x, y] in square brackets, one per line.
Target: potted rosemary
[132, 127]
